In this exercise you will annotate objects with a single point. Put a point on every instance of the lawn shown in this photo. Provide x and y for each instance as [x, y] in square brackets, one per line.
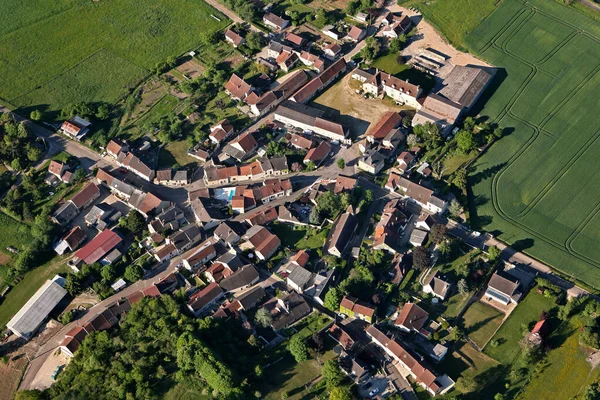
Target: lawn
[465, 361]
[311, 324]
[12, 233]
[66, 51]
[454, 161]
[161, 108]
[175, 152]
[480, 321]
[455, 18]
[567, 373]
[527, 313]
[297, 237]
[181, 392]
[389, 63]
[31, 282]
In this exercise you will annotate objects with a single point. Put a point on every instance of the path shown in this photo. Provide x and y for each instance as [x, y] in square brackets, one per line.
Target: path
[230, 14]
[591, 4]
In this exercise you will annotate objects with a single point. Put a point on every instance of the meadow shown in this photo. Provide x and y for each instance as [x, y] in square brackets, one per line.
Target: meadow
[480, 321]
[61, 52]
[537, 188]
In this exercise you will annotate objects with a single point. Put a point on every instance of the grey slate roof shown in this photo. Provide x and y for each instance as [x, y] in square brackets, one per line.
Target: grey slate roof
[463, 85]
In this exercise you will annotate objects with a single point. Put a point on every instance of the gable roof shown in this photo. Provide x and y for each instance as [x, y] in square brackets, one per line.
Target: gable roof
[242, 277]
[386, 123]
[463, 85]
[89, 192]
[355, 32]
[56, 167]
[412, 317]
[99, 246]
[134, 163]
[275, 20]
[504, 283]
[318, 154]
[295, 39]
[203, 297]
[237, 87]
[234, 37]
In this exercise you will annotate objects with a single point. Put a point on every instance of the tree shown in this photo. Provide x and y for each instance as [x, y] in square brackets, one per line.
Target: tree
[398, 43]
[465, 142]
[332, 299]
[445, 248]
[369, 196]
[331, 373]
[456, 334]
[298, 348]
[263, 317]
[421, 258]
[328, 203]
[314, 217]
[463, 270]
[371, 49]
[66, 317]
[134, 222]
[438, 233]
[341, 163]
[589, 338]
[102, 112]
[340, 393]
[16, 164]
[462, 287]
[498, 396]
[35, 115]
[498, 132]
[108, 272]
[29, 395]
[455, 209]
[460, 179]
[310, 166]
[493, 253]
[134, 273]
[254, 40]
[411, 140]
[592, 392]
[466, 384]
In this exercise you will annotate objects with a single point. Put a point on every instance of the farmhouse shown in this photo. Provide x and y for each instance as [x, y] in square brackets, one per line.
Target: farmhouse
[321, 81]
[440, 111]
[397, 28]
[401, 91]
[417, 193]
[405, 161]
[310, 119]
[294, 40]
[287, 61]
[241, 147]
[422, 374]
[372, 162]
[116, 147]
[275, 22]
[389, 120]
[71, 241]
[332, 50]
[312, 60]
[76, 128]
[287, 310]
[464, 85]
[272, 98]
[29, 318]
[356, 34]
[330, 31]
[301, 142]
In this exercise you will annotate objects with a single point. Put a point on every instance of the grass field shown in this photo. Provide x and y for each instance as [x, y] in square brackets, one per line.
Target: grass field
[480, 322]
[528, 313]
[538, 187]
[12, 233]
[298, 238]
[455, 18]
[175, 152]
[567, 373]
[465, 361]
[66, 51]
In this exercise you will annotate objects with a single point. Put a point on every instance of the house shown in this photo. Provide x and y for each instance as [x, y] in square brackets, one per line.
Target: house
[400, 91]
[332, 50]
[76, 128]
[300, 142]
[132, 163]
[287, 61]
[233, 38]
[275, 22]
[437, 285]
[59, 171]
[312, 60]
[438, 352]
[388, 229]
[362, 17]
[299, 279]
[310, 119]
[251, 298]
[356, 34]
[424, 170]
[65, 213]
[165, 252]
[229, 233]
[420, 372]
[539, 332]
[389, 121]
[318, 154]
[372, 161]
[427, 221]
[146, 203]
[201, 301]
[417, 193]
[28, 319]
[199, 255]
[504, 288]
[240, 279]
[320, 82]
[241, 147]
[340, 334]
[275, 49]
[274, 97]
[405, 161]
[287, 310]
[262, 217]
[295, 40]
[263, 242]
[86, 196]
[418, 237]
[273, 189]
[344, 184]
[354, 308]
[411, 318]
[397, 28]
[342, 230]
[116, 147]
[71, 241]
[440, 111]
[94, 251]
[355, 368]
[330, 31]
[101, 216]
[220, 131]
[237, 88]
[169, 178]
[208, 212]
[464, 85]
[185, 238]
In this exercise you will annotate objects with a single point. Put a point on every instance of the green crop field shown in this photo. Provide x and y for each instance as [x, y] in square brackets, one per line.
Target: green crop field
[65, 51]
[538, 187]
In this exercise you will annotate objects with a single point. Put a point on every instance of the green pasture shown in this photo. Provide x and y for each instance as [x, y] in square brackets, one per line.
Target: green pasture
[64, 51]
[480, 321]
[537, 188]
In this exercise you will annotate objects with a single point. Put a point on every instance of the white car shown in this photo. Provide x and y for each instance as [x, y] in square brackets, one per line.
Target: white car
[373, 392]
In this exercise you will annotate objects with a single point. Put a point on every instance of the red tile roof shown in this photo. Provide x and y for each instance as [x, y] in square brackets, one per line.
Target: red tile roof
[99, 246]
[237, 87]
[89, 192]
[388, 121]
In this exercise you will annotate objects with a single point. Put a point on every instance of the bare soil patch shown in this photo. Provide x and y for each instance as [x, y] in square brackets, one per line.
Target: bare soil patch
[191, 69]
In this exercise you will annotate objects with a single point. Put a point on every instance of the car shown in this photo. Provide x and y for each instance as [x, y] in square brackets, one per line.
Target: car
[373, 392]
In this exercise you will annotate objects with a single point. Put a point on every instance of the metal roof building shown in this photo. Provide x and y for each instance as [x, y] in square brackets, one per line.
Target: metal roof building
[29, 318]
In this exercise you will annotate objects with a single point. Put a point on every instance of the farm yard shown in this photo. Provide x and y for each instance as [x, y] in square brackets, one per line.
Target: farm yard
[101, 50]
[537, 188]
